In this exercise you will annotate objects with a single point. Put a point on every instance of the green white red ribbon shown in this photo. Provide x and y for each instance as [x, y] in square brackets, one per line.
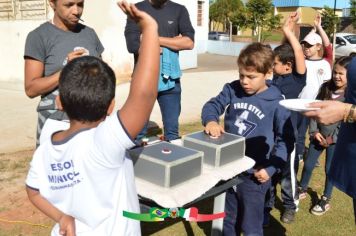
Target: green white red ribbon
[157, 214]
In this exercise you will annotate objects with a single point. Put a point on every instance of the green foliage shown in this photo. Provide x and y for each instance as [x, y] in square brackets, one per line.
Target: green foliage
[222, 10]
[258, 11]
[255, 15]
[329, 20]
[353, 12]
[260, 16]
[240, 18]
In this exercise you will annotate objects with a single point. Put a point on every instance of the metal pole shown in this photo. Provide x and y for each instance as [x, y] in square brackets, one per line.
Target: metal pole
[334, 34]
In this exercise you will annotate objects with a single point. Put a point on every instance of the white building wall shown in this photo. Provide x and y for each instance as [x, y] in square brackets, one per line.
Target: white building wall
[201, 32]
[109, 23]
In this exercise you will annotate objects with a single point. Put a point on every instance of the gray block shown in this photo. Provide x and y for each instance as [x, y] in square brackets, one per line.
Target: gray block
[169, 169]
[217, 151]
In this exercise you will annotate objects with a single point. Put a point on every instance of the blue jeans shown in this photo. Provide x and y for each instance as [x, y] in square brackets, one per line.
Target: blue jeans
[287, 188]
[169, 103]
[312, 157]
[244, 208]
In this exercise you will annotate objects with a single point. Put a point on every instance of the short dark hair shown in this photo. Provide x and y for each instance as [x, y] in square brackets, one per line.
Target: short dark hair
[86, 88]
[257, 56]
[285, 54]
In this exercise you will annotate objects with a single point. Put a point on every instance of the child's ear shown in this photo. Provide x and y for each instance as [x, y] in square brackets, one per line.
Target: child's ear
[59, 103]
[111, 107]
[269, 74]
[52, 4]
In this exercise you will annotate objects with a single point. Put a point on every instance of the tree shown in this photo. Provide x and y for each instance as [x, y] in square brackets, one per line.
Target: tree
[222, 10]
[330, 21]
[259, 14]
[353, 12]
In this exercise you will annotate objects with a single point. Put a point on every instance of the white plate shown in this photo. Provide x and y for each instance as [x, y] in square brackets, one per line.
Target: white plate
[298, 104]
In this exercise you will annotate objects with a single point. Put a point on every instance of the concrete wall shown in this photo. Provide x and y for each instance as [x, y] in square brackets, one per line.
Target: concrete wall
[109, 23]
[227, 48]
[12, 46]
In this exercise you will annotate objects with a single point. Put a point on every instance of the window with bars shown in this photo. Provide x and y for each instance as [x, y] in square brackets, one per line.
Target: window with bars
[200, 13]
[23, 9]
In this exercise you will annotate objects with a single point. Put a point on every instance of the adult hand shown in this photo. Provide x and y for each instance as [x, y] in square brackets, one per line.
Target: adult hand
[261, 175]
[66, 225]
[76, 53]
[214, 129]
[329, 112]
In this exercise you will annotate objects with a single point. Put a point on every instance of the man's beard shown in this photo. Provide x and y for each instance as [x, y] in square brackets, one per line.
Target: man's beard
[158, 3]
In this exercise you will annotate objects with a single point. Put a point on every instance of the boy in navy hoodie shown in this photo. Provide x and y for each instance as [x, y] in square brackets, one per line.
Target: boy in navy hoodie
[251, 107]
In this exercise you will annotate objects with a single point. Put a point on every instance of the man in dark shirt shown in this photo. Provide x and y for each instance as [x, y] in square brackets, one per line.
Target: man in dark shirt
[176, 34]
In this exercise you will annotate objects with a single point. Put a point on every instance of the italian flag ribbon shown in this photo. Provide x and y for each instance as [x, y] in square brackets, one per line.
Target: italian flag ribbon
[158, 214]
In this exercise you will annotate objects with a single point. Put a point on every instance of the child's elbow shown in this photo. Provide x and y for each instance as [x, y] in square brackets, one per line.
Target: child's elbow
[31, 193]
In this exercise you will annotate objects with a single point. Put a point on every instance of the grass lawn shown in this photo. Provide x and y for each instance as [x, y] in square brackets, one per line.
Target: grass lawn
[14, 206]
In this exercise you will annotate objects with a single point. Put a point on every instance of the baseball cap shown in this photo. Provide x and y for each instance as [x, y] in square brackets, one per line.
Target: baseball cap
[312, 38]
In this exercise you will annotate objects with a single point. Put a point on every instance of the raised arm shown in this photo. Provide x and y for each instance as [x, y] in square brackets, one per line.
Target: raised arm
[320, 30]
[328, 53]
[292, 39]
[143, 91]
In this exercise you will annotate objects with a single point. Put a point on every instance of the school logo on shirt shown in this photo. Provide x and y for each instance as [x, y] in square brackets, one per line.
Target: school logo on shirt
[170, 22]
[62, 175]
[320, 72]
[244, 126]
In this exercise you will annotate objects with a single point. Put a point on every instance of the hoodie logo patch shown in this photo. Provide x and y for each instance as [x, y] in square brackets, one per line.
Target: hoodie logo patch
[170, 22]
[244, 127]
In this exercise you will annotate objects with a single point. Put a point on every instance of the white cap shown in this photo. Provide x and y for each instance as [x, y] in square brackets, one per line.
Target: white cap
[312, 38]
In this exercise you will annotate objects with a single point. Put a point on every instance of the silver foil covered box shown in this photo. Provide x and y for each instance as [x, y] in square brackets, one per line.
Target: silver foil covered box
[217, 151]
[166, 164]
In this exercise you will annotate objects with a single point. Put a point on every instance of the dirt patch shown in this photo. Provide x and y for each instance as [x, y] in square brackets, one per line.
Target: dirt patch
[17, 215]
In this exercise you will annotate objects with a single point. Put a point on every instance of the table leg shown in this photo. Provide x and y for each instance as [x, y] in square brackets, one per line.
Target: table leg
[219, 206]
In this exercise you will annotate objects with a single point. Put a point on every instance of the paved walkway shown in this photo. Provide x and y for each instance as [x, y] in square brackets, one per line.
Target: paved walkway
[19, 117]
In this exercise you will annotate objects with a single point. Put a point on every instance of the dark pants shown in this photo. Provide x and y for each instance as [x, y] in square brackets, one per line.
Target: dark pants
[313, 155]
[286, 178]
[170, 104]
[244, 208]
[302, 126]
[288, 187]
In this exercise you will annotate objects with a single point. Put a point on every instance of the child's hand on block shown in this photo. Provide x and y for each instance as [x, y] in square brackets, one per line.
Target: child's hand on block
[214, 129]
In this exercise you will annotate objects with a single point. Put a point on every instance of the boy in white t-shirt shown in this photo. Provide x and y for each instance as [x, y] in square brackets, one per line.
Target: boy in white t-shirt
[80, 177]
